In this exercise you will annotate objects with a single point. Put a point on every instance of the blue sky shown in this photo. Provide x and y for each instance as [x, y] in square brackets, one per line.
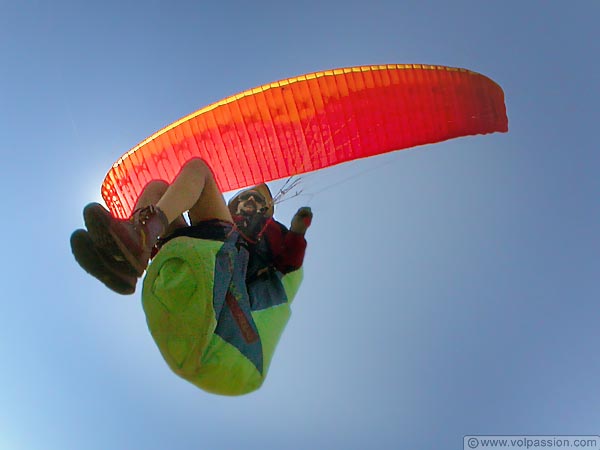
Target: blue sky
[449, 290]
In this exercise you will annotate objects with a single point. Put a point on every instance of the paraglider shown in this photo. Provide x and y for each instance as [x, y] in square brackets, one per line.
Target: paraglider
[217, 293]
[310, 122]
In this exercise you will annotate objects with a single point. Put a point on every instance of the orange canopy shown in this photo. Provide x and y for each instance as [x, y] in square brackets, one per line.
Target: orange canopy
[310, 122]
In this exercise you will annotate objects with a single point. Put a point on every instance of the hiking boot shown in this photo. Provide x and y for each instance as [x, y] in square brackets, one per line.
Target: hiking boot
[97, 221]
[101, 265]
[130, 241]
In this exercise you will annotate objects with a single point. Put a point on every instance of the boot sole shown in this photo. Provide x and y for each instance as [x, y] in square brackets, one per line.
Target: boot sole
[91, 260]
[98, 223]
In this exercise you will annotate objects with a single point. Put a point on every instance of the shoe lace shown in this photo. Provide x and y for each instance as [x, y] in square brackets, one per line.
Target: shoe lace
[142, 215]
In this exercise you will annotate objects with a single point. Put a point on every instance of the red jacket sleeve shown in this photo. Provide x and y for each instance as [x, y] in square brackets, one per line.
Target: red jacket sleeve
[288, 248]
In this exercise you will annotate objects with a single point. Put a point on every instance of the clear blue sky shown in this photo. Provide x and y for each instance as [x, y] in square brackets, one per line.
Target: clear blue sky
[451, 289]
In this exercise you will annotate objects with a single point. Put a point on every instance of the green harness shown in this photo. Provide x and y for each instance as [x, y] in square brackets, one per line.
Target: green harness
[211, 327]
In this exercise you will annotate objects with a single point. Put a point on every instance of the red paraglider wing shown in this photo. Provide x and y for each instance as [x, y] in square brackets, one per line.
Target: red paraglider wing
[310, 122]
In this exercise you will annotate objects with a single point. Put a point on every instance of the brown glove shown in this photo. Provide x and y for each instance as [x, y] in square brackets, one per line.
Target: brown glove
[302, 220]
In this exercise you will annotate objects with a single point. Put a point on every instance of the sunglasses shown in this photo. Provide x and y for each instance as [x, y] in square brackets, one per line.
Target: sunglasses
[257, 197]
